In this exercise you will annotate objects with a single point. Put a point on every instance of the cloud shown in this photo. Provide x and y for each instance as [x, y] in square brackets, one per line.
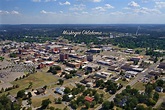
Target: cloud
[7, 12]
[145, 1]
[78, 7]
[99, 8]
[15, 12]
[50, 0]
[36, 0]
[160, 4]
[65, 3]
[96, 0]
[84, 12]
[108, 6]
[47, 12]
[117, 13]
[145, 10]
[61, 12]
[104, 8]
[133, 4]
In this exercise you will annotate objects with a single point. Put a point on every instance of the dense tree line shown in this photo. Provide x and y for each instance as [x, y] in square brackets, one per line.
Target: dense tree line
[6, 104]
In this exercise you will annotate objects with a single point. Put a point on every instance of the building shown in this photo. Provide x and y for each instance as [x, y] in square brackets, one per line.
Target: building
[63, 57]
[12, 98]
[40, 66]
[73, 64]
[162, 65]
[89, 99]
[40, 91]
[104, 75]
[159, 89]
[94, 50]
[90, 58]
[60, 90]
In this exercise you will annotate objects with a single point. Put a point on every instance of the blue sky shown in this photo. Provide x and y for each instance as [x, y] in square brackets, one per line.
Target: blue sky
[82, 11]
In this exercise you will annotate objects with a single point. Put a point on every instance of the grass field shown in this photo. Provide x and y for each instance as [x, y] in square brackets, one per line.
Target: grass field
[38, 79]
[139, 86]
[37, 101]
[122, 82]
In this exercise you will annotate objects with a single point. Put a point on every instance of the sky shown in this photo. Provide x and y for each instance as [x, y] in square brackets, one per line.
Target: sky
[82, 11]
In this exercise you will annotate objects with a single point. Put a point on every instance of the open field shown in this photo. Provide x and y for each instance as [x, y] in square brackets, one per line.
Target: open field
[36, 102]
[139, 86]
[124, 83]
[38, 79]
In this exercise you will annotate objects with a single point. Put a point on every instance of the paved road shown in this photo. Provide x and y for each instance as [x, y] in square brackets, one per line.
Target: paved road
[139, 76]
[162, 99]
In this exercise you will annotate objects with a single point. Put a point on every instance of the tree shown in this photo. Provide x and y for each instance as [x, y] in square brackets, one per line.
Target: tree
[45, 103]
[156, 96]
[160, 83]
[96, 97]
[58, 100]
[21, 94]
[148, 89]
[29, 94]
[60, 82]
[106, 105]
[30, 85]
[93, 104]
[45, 87]
[99, 82]
[51, 108]
[140, 107]
[67, 90]
[65, 98]
[87, 105]
[137, 51]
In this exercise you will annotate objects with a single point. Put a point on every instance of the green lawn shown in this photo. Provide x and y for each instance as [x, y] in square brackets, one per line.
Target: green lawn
[38, 79]
[122, 82]
[106, 94]
[139, 86]
[36, 102]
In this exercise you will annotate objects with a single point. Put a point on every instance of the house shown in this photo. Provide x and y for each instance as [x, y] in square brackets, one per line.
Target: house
[154, 73]
[88, 79]
[135, 59]
[91, 67]
[159, 89]
[89, 84]
[12, 98]
[162, 65]
[102, 62]
[41, 66]
[80, 73]
[60, 90]
[89, 99]
[94, 50]
[114, 68]
[115, 78]
[126, 67]
[104, 75]
[132, 73]
[138, 69]
[90, 58]
[49, 63]
[40, 91]
[122, 103]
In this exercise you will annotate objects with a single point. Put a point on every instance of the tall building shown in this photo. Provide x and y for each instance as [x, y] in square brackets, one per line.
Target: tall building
[63, 56]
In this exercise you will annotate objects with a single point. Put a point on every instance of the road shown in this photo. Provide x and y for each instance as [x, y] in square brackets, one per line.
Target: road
[161, 99]
[139, 76]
